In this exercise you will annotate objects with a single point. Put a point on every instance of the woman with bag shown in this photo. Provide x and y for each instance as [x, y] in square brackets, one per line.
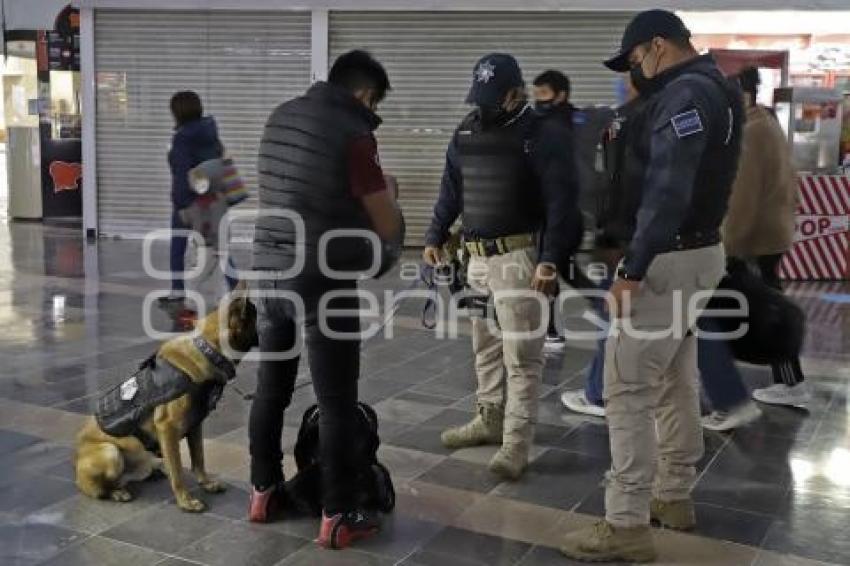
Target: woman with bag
[195, 142]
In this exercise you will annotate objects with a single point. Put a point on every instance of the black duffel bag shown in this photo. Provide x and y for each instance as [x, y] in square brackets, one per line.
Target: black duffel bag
[776, 326]
[373, 483]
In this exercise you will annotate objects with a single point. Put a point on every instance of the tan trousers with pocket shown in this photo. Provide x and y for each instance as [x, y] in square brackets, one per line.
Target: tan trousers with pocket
[651, 386]
[509, 353]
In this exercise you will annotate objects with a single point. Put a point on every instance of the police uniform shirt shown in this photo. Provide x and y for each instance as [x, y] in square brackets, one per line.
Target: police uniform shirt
[692, 130]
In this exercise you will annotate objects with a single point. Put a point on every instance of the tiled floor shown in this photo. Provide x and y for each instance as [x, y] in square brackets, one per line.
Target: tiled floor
[775, 493]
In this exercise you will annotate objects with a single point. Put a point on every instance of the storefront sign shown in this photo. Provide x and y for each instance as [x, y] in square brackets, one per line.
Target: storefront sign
[813, 226]
[65, 176]
[821, 249]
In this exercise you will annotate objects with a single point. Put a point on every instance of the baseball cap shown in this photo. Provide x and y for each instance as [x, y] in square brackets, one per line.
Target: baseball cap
[642, 28]
[493, 76]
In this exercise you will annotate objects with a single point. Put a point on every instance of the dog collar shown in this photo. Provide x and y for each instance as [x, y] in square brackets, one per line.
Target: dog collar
[215, 357]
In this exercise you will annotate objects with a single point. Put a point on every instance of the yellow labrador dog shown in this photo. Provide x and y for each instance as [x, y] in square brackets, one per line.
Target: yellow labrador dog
[167, 399]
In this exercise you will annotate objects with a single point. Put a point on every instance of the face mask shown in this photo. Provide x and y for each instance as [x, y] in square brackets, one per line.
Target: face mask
[641, 83]
[544, 106]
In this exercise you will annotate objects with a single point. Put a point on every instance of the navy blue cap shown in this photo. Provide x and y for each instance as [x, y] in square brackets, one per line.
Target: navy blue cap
[493, 76]
[645, 26]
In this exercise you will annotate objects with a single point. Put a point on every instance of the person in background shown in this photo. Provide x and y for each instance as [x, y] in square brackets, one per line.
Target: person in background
[511, 175]
[615, 225]
[552, 100]
[195, 140]
[759, 227]
[318, 160]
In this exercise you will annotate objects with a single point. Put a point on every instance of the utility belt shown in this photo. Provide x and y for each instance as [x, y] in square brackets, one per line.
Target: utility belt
[693, 241]
[482, 247]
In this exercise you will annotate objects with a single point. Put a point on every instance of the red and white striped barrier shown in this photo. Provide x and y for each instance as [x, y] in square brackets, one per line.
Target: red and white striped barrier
[821, 249]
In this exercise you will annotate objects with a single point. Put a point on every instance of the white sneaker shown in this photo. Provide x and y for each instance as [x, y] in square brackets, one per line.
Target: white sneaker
[577, 402]
[722, 421]
[554, 344]
[780, 394]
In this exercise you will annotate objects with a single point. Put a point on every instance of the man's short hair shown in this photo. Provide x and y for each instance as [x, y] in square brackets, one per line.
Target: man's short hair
[358, 70]
[749, 79]
[556, 80]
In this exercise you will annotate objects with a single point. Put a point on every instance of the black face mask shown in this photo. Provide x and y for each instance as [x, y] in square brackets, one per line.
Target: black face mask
[643, 85]
[545, 106]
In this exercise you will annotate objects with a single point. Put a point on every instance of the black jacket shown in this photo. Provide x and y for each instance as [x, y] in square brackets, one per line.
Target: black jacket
[193, 143]
[555, 187]
[693, 136]
[624, 163]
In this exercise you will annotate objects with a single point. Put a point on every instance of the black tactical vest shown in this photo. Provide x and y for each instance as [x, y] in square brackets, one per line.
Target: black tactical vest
[500, 195]
[122, 409]
[303, 170]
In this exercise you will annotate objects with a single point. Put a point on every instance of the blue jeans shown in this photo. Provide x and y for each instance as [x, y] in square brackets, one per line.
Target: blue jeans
[593, 384]
[719, 376]
[178, 252]
[718, 373]
[177, 262]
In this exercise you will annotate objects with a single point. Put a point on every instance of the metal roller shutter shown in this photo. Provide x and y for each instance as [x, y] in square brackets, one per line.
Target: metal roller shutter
[242, 64]
[429, 57]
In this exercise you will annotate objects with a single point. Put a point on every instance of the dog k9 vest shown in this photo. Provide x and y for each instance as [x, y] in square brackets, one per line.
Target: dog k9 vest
[122, 409]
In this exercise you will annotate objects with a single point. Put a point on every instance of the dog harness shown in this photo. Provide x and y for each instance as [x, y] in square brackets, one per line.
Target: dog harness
[122, 409]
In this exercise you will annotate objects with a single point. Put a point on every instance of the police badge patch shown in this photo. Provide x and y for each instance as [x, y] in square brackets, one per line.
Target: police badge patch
[687, 123]
[129, 389]
[485, 72]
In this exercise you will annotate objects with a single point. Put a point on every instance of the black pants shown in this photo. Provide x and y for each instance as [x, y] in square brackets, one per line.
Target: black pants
[334, 367]
[790, 373]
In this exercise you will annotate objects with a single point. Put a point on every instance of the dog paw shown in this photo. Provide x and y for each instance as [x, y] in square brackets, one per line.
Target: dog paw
[213, 486]
[191, 505]
[121, 496]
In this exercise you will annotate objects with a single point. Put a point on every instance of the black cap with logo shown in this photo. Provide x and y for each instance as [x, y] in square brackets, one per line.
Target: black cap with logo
[493, 76]
[644, 27]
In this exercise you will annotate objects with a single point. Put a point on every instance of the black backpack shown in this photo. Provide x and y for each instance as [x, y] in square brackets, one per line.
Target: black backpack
[374, 485]
[776, 326]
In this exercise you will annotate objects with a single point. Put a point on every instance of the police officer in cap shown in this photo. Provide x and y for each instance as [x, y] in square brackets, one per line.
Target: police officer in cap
[511, 175]
[692, 128]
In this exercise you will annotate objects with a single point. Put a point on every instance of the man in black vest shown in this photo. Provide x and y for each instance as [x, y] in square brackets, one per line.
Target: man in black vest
[692, 129]
[512, 177]
[318, 172]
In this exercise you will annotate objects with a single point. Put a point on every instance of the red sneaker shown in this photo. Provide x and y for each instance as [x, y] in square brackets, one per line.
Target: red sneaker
[341, 530]
[186, 319]
[264, 505]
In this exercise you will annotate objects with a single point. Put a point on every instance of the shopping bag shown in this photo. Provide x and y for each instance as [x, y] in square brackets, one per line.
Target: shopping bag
[219, 175]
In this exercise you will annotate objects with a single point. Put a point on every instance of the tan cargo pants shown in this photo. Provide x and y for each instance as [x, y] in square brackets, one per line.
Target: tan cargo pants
[509, 354]
[652, 390]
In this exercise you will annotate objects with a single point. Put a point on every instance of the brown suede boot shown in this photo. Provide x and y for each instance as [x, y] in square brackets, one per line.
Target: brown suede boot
[485, 428]
[678, 515]
[510, 461]
[605, 543]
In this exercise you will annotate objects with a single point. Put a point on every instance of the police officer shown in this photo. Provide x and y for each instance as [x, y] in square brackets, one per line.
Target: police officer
[692, 129]
[511, 176]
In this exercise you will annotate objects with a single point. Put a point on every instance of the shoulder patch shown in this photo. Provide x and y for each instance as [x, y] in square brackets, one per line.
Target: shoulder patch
[687, 123]
[579, 118]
